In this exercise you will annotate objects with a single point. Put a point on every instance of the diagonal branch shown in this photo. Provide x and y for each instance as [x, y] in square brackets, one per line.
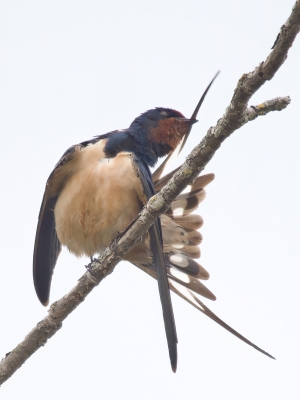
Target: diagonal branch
[235, 116]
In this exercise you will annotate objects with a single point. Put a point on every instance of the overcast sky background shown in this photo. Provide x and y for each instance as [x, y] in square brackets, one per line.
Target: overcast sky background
[73, 69]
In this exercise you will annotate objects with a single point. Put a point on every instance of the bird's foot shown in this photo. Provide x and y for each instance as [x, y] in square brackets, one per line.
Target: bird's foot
[89, 266]
[113, 244]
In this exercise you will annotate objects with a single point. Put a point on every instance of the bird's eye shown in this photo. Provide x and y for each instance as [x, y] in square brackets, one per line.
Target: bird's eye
[164, 113]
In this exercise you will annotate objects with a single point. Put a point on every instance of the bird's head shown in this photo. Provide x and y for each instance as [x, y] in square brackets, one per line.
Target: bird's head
[153, 134]
[162, 128]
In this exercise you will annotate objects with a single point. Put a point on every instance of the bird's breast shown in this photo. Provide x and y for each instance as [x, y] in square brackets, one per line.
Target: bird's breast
[100, 199]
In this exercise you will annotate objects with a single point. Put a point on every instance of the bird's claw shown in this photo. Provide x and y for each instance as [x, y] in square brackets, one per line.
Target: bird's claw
[113, 244]
[89, 266]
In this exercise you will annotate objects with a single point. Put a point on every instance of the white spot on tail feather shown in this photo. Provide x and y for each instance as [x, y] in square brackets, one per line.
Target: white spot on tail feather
[188, 189]
[178, 211]
[178, 246]
[179, 260]
[180, 275]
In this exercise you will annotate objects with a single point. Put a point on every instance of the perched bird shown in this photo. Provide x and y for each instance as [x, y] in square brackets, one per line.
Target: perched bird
[98, 188]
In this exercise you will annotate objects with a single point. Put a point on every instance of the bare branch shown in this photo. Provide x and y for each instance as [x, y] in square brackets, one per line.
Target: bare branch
[236, 115]
[277, 104]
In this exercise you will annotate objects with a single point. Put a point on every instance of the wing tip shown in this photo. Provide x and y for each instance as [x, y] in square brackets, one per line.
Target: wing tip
[44, 300]
[173, 359]
[40, 292]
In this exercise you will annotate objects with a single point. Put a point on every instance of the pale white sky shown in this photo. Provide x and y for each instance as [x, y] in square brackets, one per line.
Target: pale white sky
[73, 69]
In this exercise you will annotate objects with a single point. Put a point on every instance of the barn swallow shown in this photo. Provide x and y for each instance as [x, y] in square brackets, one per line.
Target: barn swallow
[98, 188]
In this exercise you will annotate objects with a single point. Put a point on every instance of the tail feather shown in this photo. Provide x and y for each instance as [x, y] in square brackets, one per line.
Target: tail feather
[194, 237]
[186, 203]
[190, 282]
[202, 181]
[187, 265]
[189, 296]
[190, 222]
[190, 251]
[181, 239]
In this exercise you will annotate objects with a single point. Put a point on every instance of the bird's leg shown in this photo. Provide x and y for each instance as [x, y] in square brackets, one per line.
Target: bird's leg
[89, 266]
[114, 242]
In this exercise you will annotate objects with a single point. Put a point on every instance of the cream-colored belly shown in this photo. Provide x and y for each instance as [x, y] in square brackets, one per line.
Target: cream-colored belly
[99, 200]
